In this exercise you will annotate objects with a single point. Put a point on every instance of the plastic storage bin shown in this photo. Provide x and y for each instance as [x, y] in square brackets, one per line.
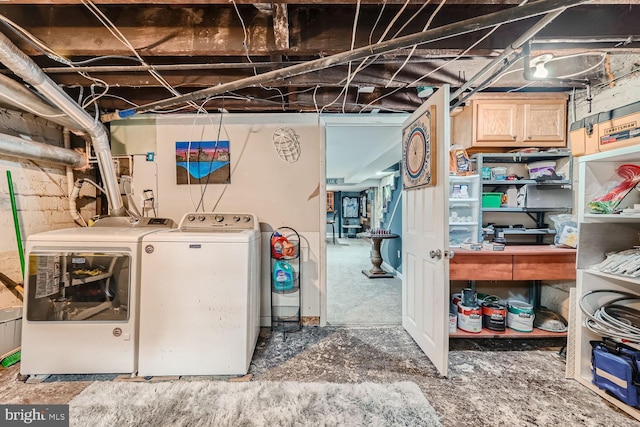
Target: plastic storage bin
[548, 197]
[459, 235]
[10, 329]
[491, 200]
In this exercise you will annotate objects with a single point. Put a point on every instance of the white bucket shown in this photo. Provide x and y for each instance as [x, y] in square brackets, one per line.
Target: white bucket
[10, 329]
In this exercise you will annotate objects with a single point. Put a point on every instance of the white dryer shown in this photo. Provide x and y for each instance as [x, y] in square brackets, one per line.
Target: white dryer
[81, 297]
[200, 296]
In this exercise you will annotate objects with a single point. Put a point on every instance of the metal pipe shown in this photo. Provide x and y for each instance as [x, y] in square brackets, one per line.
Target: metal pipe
[586, 40]
[504, 66]
[18, 147]
[446, 31]
[16, 95]
[73, 208]
[166, 67]
[507, 51]
[16, 224]
[14, 59]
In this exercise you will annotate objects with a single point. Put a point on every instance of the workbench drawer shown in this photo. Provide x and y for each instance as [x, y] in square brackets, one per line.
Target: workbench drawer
[544, 267]
[479, 267]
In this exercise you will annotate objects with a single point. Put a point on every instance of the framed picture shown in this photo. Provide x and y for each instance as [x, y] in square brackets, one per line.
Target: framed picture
[419, 151]
[203, 162]
[350, 207]
[363, 206]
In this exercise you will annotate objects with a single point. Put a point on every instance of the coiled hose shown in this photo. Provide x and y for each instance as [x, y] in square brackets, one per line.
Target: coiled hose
[613, 319]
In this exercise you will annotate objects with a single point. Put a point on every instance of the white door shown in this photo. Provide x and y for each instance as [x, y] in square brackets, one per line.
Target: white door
[425, 229]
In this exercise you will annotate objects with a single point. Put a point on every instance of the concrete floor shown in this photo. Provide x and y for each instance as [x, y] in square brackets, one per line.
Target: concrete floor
[487, 385]
[490, 382]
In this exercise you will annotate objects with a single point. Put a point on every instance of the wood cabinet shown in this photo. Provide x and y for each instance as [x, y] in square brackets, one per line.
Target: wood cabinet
[512, 120]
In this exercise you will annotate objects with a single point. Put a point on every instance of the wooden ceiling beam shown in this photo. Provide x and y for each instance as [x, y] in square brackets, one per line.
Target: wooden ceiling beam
[323, 2]
[281, 26]
[291, 31]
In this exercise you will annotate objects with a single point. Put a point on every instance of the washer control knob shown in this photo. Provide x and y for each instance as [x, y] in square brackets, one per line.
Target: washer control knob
[246, 218]
[191, 217]
[236, 218]
[219, 218]
[201, 217]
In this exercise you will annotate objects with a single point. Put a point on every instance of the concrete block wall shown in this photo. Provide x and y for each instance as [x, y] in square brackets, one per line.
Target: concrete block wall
[40, 191]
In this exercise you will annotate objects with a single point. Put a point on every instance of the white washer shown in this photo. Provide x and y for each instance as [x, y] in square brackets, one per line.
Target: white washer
[200, 296]
[81, 298]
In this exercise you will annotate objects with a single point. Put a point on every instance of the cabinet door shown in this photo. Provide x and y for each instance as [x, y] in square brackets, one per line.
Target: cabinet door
[496, 124]
[545, 124]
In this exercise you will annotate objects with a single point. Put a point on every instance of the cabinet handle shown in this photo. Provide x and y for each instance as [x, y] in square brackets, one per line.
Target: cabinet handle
[515, 137]
[530, 137]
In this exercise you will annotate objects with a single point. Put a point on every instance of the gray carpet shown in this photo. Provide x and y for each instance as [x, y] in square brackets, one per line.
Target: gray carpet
[259, 403]
[354, 299]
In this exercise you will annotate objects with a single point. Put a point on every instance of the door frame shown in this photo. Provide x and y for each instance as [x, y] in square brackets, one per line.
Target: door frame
[328, 120]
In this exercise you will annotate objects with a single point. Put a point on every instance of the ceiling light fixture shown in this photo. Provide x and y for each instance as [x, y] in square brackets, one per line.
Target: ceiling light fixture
[424, 91]
[539, 63]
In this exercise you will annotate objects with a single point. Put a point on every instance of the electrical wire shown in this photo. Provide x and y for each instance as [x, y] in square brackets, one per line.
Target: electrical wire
[95, 185]
[111, 27]
[353, 42]
[415, 46]
[375, 24]
[203, 190]
[491, 31]
[50, 53]
[246, 51]
[363, 63]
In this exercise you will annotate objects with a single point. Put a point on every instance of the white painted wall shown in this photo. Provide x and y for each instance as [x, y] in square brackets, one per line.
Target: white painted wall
[279, 193]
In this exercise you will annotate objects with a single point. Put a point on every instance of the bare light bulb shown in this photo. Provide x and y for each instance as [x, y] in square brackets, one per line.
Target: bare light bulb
[541, 71]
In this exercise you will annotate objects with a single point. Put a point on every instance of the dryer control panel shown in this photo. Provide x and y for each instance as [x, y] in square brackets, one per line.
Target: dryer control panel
[216, 221]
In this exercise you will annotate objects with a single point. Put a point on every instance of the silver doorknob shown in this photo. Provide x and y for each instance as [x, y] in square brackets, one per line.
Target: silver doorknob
[449, 254]
[437, 254]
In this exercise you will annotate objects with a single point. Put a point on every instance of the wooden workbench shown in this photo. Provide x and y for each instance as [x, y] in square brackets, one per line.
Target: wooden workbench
[540, 262]
[534, 263]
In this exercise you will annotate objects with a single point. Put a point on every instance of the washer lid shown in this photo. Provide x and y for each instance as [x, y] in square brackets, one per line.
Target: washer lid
[94, 234]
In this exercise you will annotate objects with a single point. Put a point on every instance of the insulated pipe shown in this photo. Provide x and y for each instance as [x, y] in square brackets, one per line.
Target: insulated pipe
[513, 14]
[14, 59]
[16, 95]
[19, 147]
[73, 208]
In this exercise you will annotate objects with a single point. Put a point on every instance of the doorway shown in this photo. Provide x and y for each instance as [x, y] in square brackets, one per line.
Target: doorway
[361, 158]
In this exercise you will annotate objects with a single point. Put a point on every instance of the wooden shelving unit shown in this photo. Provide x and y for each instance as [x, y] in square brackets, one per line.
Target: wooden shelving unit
[508, 333]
